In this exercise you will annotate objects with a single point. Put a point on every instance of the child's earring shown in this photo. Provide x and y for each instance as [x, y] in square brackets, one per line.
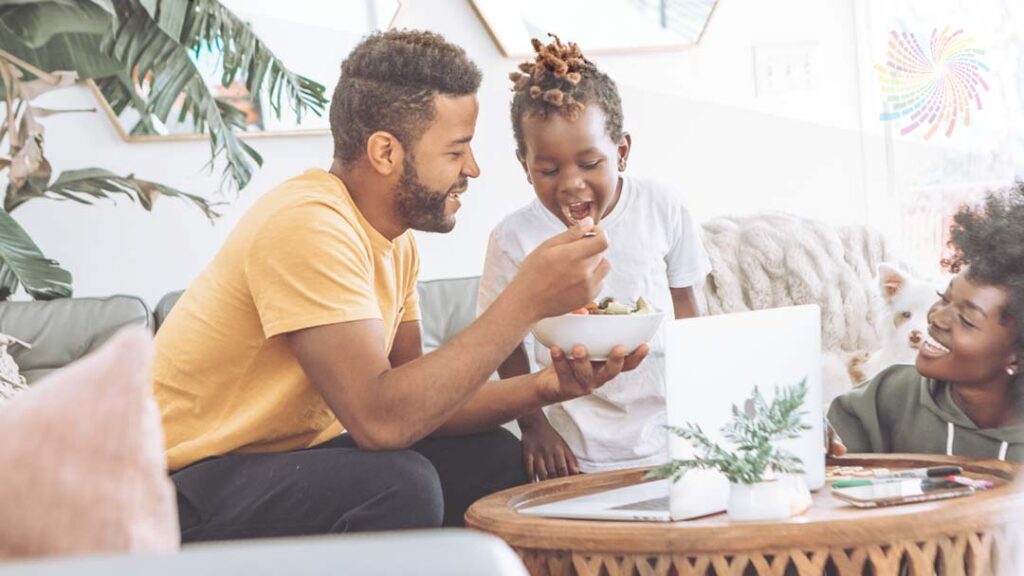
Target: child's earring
[622, 164]
[1011, 371]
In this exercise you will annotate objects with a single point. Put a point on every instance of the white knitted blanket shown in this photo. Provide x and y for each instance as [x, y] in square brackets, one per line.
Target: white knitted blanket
[11, 380]
[771, 260]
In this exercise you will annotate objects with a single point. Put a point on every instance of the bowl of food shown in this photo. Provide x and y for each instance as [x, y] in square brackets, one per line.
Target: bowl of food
[600, 327]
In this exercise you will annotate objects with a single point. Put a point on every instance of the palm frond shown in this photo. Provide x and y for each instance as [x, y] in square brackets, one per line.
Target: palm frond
[207, 24]
[59, 36]
[89, 184]
[161, 62]
[157, 39]
[124, 43]
[24, 263]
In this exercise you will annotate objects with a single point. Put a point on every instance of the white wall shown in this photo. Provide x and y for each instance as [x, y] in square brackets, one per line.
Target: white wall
[695, 117]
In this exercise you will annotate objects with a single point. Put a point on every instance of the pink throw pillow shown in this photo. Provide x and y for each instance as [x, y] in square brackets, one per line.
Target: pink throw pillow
[82, 455]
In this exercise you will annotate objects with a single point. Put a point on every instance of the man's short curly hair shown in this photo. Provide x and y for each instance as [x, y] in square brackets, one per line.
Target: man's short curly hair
[989, 240]
[561, 80]
[388, 83]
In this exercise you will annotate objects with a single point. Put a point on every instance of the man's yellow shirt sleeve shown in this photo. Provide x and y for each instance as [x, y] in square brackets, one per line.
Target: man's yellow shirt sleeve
[304, 270]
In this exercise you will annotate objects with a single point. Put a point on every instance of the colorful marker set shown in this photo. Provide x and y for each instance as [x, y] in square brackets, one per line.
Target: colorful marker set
[931, 478]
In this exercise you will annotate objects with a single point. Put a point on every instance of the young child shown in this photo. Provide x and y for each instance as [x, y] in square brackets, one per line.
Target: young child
[567, 120]
[963, 395]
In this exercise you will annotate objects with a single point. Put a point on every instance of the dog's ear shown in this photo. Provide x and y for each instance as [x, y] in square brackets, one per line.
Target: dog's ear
[891, 280]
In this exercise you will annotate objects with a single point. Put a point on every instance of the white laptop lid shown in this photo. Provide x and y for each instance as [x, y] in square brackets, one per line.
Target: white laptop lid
[714, 362]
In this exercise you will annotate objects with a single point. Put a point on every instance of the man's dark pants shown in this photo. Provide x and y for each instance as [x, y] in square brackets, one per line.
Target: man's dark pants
[335, 487]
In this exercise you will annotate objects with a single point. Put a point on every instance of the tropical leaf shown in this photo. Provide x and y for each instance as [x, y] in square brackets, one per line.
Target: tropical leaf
[208, 24]
[41, 277]
[90, 184]
[123, 44]
[24, 20]
[158, 41]
[27, 160]
[8, 282]
[104, 4]
[32, 89]
[22, 28]
[120, 94]
[162, 63]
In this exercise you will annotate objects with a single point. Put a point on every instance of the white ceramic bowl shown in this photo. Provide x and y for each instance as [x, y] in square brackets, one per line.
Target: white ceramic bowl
[599, 333]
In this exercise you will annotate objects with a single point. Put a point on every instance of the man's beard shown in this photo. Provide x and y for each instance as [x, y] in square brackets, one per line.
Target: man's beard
[419, 206]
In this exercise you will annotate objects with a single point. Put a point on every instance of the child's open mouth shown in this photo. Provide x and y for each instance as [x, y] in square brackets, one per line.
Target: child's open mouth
[576, 211]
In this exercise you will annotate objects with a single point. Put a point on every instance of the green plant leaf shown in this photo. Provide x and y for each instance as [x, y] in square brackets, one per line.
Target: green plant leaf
[41, 277]
[89, 184]
[753, 431]
[8, 282]
[163, 63]
[34, 24]
[124, 43]
[104, 4]
[55, 37]
[207, 23]
[156, 40]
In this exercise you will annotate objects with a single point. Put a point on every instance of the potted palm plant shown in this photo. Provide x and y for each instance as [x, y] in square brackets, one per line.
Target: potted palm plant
[122, 45]
[762, 485]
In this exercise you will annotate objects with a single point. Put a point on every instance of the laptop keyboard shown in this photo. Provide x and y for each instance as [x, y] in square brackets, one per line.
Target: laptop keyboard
[652, 504]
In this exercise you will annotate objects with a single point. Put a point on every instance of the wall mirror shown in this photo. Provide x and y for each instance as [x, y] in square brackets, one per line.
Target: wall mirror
[311, 37]
[598, 26]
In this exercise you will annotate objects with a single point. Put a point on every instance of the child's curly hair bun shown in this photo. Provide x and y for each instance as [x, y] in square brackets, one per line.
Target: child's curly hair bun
[561, 80]
[553, 74]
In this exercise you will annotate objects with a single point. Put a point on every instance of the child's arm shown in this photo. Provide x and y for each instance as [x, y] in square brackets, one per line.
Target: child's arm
[545, 453]
[684, 303]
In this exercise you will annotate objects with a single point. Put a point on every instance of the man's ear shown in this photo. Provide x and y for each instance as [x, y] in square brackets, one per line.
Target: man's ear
[622, 149]
[384, 153]
[526, 170]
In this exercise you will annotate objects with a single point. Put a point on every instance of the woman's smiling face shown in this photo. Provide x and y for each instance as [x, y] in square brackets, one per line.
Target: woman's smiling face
[573, 165]
[970, 341]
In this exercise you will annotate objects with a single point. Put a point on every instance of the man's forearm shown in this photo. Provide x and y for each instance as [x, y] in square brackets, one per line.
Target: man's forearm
[496, 403]
[422, 395]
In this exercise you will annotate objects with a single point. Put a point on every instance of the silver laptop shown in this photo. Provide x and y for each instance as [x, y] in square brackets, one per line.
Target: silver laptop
[714, 362]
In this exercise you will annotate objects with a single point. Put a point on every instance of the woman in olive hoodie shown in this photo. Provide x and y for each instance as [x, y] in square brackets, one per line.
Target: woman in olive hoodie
[963, 396]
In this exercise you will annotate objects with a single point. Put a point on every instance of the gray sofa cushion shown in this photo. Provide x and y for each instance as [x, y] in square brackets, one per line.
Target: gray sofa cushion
[163, 307]
[62, 331]
[447, 306]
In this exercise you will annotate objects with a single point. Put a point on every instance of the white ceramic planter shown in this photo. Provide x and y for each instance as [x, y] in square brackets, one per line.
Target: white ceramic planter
[769, 500]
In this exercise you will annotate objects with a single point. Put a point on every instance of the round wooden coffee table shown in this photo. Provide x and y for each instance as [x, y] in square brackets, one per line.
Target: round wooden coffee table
[972, 535]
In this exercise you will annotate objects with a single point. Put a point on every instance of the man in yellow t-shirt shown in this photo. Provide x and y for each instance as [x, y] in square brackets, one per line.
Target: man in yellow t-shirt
[290, 376]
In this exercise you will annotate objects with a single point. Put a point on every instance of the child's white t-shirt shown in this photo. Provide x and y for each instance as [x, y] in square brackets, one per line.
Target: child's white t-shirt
[654, 244]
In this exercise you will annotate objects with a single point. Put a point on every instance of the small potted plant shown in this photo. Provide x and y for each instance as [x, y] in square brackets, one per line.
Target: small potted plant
[763, 485]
